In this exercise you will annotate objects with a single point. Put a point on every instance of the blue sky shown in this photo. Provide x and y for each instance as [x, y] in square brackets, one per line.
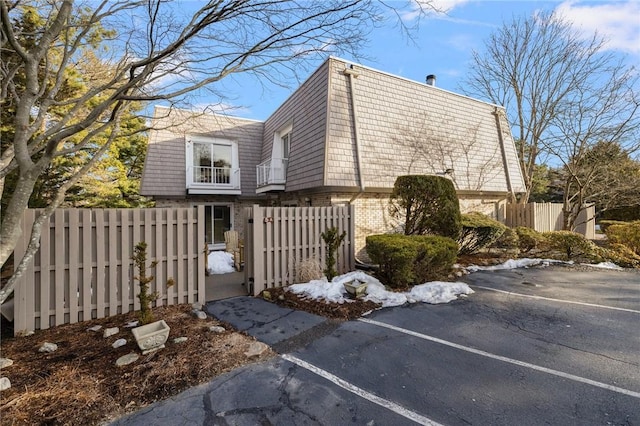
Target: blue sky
[444, 43]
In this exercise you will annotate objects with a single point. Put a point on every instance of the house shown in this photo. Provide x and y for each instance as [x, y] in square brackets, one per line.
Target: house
[341, 138]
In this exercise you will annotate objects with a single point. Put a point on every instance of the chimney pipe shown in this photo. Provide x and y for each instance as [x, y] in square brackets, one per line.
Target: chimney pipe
[431, 80]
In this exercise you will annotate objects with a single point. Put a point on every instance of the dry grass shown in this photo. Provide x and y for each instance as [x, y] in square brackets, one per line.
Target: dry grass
[307, 270]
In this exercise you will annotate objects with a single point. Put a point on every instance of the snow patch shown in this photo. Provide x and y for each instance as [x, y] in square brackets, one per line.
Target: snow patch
[334, 291]
[517, 263]
[220, 262]
[605, 265]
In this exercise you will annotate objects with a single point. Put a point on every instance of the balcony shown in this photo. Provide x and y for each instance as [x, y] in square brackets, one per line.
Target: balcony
[272, 175]
[213, 180]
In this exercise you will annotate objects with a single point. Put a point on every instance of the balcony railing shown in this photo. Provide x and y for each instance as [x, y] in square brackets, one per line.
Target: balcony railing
[272, 172]
[211, 179]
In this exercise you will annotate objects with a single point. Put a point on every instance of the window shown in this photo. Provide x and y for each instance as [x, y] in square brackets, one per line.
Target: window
[218, 220]
[212, 163]
[282, 143]
[212, 166]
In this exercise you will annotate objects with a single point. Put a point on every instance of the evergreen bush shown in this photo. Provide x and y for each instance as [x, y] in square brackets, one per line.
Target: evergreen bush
[509, 240]
[478, 232]
[405, 260]
[572, 245]
[427, 204]
[625, 233]
[529, 239]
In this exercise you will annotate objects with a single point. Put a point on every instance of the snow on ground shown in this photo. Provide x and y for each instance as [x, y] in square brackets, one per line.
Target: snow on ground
[605, 265]
[220, 262]
[517, 263]
[334, 291]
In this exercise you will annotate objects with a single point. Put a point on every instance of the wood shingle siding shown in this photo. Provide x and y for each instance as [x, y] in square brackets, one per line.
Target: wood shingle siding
[165, 165]
[306, 109]
[408, 127]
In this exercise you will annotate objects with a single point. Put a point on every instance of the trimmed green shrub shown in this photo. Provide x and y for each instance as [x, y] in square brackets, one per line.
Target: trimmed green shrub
[529, 239]
[621, 255]
[604, 224]
[572, 245]
[625, 233]
[478, 232]
[405, 260]
[509, 240]
[427, 204]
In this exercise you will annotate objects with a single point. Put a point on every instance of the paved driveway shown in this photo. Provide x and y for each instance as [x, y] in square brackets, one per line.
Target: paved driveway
[537, 346]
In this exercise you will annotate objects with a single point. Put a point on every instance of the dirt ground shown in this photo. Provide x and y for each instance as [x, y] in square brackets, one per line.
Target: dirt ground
[79, 384]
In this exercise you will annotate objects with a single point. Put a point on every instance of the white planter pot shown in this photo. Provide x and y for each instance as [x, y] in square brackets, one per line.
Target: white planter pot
[356, 288]
[151, 337]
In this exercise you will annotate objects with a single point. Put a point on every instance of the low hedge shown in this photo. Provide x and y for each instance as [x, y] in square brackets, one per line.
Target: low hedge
[508, 240]
[625, 233]
[529, 239]
[406, 260]
[572, 245]
[605, 224]
[478, 232]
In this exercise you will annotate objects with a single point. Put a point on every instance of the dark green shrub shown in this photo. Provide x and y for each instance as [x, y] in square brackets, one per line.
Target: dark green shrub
[529, 239]
[625, 233]
[405, 260]
[333, 241]
[627, 213]
[434, 258]
[572, 245]
[427, 204]
[509, 240]
[478, 232]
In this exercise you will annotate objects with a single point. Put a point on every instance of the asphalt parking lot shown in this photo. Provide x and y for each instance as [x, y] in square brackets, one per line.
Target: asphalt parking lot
[531, 346]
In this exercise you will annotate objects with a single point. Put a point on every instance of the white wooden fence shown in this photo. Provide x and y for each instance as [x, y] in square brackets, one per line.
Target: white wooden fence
[545, 217]
[278, 237]
[83, 269]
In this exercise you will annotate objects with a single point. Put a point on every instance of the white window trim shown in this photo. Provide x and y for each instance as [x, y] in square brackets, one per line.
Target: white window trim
[232, 188]
[276, 149]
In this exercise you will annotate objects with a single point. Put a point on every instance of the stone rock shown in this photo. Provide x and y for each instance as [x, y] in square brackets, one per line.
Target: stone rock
[94, 328]
[108, 332]
[180, 339]
[217, 329]
[5, 362]
[118, 343]
[256, 349]
[127, 359]
[199, 314]
[197, 306]
[459, 274]
[281, 297]
[266, 295]
[48, 347]
[5, 383]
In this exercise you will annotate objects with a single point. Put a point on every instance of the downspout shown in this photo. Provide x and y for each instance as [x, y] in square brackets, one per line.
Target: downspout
[498, 114]
[353, 74]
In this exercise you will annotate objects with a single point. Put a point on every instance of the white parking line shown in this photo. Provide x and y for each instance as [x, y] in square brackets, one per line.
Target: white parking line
[411, 415]
[504, 359]
[555, 300]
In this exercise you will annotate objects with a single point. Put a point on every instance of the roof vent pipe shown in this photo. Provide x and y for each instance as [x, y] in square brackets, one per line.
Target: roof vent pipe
[431, 80]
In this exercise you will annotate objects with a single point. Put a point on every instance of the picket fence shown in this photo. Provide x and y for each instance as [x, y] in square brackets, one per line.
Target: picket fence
[83, 269]
[278, 238]
[544, 217]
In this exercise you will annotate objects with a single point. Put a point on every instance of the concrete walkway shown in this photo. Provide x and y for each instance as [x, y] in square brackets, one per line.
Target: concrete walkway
[223, 286]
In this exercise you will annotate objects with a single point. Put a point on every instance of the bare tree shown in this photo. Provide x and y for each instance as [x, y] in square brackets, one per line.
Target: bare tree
[125, 51]
[562, 92]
